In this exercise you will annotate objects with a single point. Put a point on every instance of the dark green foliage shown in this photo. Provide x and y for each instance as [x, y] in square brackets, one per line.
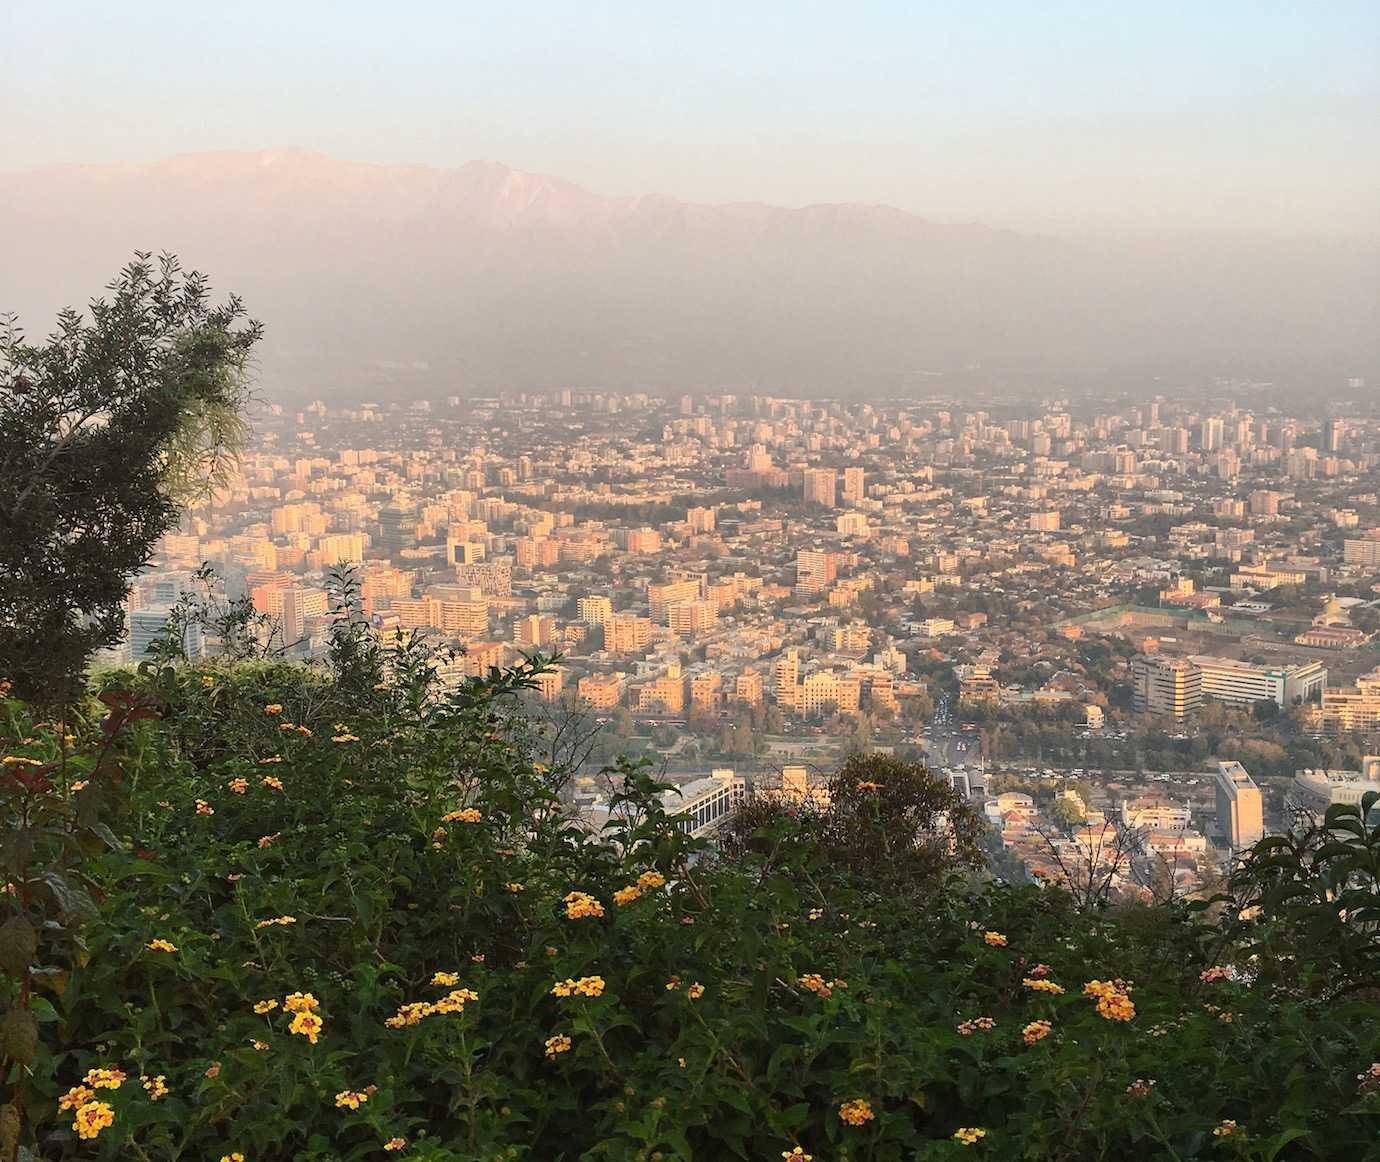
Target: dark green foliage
[106, 425]
[405, 821]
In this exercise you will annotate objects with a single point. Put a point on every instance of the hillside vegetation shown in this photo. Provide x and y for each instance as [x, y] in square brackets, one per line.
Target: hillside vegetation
[265, 911]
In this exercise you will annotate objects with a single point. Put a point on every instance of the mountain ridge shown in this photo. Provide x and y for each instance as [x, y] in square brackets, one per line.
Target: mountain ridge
[488, 276]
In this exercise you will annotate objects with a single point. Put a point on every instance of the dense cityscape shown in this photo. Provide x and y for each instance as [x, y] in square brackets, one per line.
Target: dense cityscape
[1137, 633]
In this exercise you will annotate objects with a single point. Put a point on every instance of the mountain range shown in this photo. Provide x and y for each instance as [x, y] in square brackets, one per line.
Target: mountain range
[401, 281]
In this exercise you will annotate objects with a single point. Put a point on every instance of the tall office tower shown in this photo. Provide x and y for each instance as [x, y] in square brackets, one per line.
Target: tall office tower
[820, 484]
[1178, 441]
[854, 487]
[815, 569]
[1239, 810]
[1210, 434]
[146, 626]
[1166, 686]
[397, 526]
[1334, 432]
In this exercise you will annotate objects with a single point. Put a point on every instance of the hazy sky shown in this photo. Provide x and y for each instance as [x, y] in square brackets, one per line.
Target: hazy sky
[1206, 115]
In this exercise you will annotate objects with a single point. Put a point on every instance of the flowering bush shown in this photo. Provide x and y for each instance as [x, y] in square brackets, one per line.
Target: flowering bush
[400, 947]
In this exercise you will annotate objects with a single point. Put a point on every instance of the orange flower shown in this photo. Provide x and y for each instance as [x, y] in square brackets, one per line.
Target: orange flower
[994, 939]
[1036, 1031]
[581, 905]
[857, 1112]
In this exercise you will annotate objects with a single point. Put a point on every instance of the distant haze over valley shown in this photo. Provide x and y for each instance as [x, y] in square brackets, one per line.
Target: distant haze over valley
[395, 281]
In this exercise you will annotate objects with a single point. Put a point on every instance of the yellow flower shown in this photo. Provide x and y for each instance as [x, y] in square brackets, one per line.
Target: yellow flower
[857, 1112]
[395, 1144]
[797, 1155]
[79, 785]
[345, 738]
[207, 681]
[514, 888]
[307, 1025]
[92, 1118]
[161, 945]
[468, 815]
[695, 991]
[349, 1099]
[586, 986]
[259, 1046]
[1113, 1003]
[204, 808]
[994, 939]
[239, 786]
[557, 1045]
[300, 1003]
[579, 905]
[815, 983]
[1224, 1129]
[277, 921]
[1036, 1031]
[967, 1135]
[448, 979]
[273, 708]
[1043, 986]
[271, 782]
[409, 1014]
[627, 895]
[236, 1156]
[266, 841]
[454, 1002]
[651, 879]
[111, 1078]
[77, 1096]
[273, 758]
[156, 1087]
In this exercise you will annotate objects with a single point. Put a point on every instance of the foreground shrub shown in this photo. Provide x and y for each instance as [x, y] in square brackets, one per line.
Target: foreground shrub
[280, 914]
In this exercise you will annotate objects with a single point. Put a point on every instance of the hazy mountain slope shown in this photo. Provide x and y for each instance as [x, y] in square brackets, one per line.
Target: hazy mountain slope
[414, 280]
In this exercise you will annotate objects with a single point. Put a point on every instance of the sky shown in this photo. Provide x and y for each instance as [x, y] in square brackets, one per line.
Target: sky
[1209, 116]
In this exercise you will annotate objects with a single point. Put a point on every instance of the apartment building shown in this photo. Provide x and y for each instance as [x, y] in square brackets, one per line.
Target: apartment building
[815, 570]
[1351, 709]
[1363, 550]
[660, 598]
[600, 691]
